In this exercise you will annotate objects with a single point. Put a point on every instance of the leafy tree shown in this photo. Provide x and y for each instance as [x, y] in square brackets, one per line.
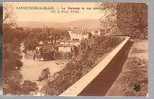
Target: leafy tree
[11, 54]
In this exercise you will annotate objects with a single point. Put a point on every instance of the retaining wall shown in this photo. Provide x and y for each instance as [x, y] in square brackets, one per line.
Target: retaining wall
[101, 77]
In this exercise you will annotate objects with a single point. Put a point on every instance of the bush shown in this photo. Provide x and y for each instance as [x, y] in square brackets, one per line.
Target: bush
[28, 86]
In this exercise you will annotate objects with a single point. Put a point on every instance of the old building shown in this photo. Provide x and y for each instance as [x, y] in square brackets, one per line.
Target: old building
[77, 36]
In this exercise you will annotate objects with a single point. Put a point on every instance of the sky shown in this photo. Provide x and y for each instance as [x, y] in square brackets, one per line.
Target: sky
[21, 11]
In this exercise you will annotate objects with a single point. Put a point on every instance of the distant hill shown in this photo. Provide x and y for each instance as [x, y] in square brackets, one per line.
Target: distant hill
[35, 24]
[88, 24]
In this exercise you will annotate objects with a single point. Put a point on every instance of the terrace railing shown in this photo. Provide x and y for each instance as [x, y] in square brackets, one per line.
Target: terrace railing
[78, 87]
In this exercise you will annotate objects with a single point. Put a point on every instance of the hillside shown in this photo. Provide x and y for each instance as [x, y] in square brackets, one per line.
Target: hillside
[88, 24]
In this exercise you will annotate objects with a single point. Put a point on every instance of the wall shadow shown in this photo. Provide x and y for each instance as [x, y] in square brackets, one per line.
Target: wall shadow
[100, 85]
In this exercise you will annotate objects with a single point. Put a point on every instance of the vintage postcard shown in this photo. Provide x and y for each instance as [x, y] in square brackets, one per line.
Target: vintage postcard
[75, 49]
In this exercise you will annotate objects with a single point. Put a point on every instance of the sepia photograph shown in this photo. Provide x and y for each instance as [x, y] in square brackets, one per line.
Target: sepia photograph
[75, 49]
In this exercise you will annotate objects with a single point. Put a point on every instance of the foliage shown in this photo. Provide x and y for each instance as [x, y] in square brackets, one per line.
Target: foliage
[90, 52]
[11, 56]
[34, 36]
[28, 86]
[12, 83]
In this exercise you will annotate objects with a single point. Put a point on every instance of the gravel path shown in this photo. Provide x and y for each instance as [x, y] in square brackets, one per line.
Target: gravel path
[31, 69]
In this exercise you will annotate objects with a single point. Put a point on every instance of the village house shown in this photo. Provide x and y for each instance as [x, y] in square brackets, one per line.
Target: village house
[77, 36]
[66, 46]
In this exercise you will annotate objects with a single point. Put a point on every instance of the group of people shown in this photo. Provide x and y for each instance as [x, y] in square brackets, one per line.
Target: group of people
[43, 53]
